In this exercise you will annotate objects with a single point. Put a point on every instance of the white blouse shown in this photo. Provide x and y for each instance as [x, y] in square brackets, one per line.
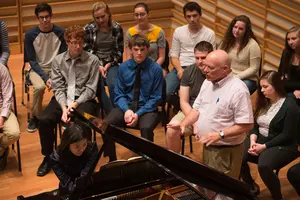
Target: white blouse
[265, 119]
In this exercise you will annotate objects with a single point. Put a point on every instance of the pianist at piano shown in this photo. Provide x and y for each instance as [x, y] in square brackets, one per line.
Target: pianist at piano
[74, 157]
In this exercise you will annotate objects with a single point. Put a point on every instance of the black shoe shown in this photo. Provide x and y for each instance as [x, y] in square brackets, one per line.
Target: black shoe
[255, 190]
[3, 159]
[44, 168]
[32, 125]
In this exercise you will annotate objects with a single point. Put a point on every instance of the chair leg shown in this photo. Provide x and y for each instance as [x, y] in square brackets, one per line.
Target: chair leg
[19, 156]
[191, 143]
[55, 137]
[182, 145]
[15, 102]
[94, 135]
[277, 171]
[28, 103]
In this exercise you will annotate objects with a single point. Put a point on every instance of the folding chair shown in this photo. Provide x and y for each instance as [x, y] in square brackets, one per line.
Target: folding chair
[26, 83]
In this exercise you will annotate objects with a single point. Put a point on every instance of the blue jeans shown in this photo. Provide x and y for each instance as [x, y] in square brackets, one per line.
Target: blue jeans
[103, 99]
[111, 81]
[251, 85]
[172, 82]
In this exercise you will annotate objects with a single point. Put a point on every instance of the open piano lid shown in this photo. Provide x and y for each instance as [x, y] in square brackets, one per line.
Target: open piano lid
[191, 173]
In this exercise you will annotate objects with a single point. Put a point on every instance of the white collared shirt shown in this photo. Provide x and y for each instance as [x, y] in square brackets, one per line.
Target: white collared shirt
[222, 105]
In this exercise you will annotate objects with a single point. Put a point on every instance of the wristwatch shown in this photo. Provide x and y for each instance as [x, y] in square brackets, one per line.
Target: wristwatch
[222, 134]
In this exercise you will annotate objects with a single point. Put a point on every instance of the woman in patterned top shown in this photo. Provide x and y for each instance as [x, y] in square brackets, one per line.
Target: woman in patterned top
[104, 38]
[272, 142]
[153, 33]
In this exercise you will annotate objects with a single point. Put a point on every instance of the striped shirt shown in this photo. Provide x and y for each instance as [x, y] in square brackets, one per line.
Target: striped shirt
[4, 50]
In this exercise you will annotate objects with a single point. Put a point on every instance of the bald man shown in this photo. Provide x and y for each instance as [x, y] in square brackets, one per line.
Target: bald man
[223, 113]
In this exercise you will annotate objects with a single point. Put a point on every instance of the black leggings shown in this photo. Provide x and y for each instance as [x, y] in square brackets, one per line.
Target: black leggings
[269, 160]
[294, 177]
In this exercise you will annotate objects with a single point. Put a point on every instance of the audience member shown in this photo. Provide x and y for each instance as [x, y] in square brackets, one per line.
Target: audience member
[42, 43]
[184, 40]
[153, 33]
[138, 92]
[4, 49]
[74, 157]
[294, 178]
[243, 50]
[289, 67]
[104, 38]
[74, 76]
[192, 79]
[9, 125]
[272, 143]
[223, 113]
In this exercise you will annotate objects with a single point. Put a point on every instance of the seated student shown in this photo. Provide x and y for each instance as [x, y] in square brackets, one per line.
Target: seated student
[74, 157]
[4, 46]
[293, 176]
[42, 43]
[74, 77]
[184, 40]
[272, 143]
[104, 38]
[192, 79]
[153, 33]
[138, 92]
[9, 125]
[244, 51]
[289, 67]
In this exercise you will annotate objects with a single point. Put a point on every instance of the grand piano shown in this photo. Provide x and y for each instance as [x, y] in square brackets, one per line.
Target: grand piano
[158, 174]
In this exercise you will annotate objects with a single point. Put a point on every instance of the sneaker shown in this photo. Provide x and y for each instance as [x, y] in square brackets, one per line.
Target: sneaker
[32, 125]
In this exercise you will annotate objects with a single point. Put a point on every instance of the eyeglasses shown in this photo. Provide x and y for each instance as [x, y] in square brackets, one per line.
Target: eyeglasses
[139, 14]
[44, 17]
[75, 42]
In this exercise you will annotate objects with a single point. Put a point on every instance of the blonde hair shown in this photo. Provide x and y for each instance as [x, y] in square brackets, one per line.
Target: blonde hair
[101, 5]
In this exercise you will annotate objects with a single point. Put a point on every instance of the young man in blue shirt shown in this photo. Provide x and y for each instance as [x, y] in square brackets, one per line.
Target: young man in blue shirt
[131, 111]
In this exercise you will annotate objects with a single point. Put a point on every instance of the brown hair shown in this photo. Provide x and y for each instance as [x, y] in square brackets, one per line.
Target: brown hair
[229, 40]
[138, 40]
[288, 52]
[101, 5]
[263, 103]
[74, 31]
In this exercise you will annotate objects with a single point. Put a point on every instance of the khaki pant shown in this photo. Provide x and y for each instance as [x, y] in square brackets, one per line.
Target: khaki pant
[38, 93]
[224, 159]
[11, 132]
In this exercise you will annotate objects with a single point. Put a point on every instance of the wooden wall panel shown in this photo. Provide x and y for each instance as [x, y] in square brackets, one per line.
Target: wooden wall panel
[270, 18]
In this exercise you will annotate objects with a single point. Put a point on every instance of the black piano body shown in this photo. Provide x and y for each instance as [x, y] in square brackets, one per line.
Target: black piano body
[159, 169]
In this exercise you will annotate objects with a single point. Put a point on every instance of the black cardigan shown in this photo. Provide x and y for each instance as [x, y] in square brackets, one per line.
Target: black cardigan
[284, 127]
[69, 167]
[291, 83]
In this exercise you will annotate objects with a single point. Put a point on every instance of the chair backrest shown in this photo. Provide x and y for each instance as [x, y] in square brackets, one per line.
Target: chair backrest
[166, 63]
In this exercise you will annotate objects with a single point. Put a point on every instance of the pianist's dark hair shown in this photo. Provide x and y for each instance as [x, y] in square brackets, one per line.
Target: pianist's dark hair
[74, 133]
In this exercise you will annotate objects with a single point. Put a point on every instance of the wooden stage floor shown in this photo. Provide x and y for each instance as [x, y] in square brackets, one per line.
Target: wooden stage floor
[14, 183]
